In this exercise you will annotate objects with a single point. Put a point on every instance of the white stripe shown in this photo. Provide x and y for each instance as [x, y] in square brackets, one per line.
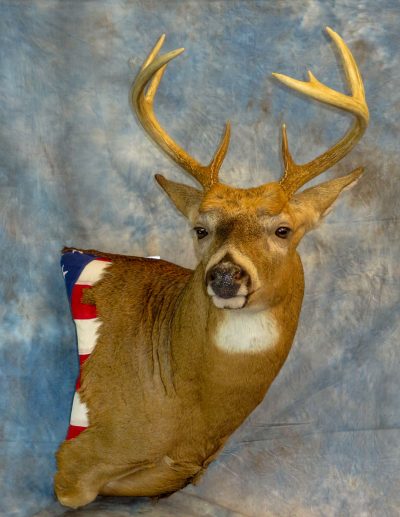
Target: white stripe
[79, 413]
[87, 333]
[93, 272]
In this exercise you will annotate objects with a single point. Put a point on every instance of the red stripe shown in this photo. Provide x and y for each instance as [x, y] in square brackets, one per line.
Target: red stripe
[82, 359]
[81, 311]
[74, 431]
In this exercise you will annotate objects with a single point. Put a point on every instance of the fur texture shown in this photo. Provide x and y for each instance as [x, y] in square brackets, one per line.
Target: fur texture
[172, 374]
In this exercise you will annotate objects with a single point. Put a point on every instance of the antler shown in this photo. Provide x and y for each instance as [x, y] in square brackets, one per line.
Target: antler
[296, 175]
[151, 72]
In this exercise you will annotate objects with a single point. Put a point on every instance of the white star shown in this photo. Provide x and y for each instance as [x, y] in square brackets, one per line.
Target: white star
[63, 272]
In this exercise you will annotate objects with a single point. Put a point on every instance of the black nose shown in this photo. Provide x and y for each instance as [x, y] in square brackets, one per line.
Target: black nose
[226, 278]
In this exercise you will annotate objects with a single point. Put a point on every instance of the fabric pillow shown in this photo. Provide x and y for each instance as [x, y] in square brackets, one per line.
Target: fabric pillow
[81, 271]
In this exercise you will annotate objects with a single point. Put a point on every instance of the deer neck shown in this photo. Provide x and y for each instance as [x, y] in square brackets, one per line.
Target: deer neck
[232, 355]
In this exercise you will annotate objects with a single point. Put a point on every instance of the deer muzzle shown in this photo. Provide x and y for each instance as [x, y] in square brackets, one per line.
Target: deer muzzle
[228, 285]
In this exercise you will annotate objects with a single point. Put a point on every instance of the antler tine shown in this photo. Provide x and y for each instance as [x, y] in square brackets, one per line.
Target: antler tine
[141, 100]
[296, 175]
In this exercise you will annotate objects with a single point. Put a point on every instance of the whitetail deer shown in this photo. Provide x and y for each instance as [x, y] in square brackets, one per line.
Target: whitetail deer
[183, 357]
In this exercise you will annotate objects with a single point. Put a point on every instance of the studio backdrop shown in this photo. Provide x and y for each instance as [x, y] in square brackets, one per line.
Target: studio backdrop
[77, 170]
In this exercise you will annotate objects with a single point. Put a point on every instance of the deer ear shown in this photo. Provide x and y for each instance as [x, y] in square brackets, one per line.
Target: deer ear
[186, 199]
[313, 204]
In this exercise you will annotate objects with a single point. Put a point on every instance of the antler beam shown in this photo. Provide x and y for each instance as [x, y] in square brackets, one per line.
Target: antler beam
[142, 99]
[296, 175]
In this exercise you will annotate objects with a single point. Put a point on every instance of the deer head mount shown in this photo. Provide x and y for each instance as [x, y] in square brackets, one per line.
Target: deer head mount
[273, 215]
[170, 352]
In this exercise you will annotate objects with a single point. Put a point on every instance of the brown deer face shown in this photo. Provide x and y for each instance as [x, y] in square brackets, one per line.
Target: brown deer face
[247, 238]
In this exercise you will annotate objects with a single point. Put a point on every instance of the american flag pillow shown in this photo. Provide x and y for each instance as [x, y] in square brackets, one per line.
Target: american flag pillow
[81, 271]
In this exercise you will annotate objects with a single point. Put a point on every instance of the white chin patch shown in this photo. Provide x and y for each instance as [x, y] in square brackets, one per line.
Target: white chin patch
[236, 302]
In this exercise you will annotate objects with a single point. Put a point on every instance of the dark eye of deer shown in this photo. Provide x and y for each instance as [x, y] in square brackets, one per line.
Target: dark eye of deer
[201, 232]
[282, 232]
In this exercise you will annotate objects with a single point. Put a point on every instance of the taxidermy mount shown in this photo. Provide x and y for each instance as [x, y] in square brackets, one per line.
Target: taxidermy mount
[182, 357]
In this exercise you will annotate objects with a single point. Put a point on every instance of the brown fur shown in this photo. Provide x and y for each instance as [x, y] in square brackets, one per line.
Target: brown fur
[162, 397]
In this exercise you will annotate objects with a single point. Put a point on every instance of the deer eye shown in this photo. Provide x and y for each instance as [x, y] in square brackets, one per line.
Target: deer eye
[282, 232]
[200, 232]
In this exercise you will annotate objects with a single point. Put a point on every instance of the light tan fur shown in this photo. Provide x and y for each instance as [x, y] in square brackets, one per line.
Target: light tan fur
[172, 374]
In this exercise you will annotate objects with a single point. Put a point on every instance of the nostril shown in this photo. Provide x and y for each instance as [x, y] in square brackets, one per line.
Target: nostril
[239, 274]
[211, 276]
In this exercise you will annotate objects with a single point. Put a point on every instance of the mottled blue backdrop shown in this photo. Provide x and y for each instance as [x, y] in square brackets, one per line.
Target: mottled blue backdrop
[76, 169]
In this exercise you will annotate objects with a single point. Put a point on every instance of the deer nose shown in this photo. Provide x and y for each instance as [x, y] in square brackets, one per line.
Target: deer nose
[226, 278]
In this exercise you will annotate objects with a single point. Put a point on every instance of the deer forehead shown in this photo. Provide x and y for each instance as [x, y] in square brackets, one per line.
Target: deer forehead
[229, 210]
[269, 199]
